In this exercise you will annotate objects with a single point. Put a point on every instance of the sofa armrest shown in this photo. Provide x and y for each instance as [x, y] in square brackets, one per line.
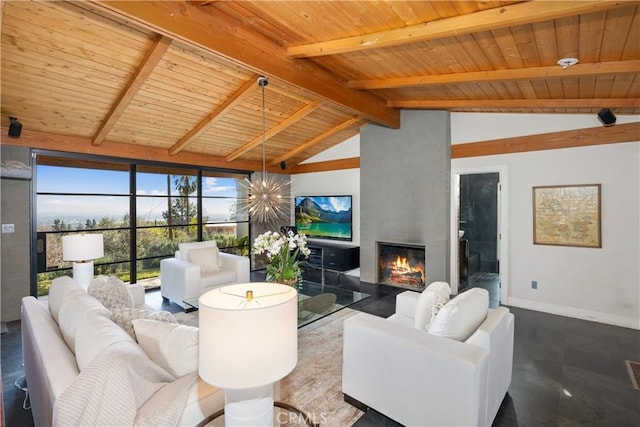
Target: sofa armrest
[179, 280]
[412, 376]
[406, 303]
[238, 263]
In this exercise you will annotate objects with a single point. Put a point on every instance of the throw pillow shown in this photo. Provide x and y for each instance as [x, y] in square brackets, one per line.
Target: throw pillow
[431, 300]
[62, 289]
[111, 292]
[205, 258]
[461, 316]
[125, 316]
[172, 346]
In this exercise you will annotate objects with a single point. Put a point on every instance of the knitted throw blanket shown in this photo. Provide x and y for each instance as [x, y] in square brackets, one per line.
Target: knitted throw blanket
[122, 387]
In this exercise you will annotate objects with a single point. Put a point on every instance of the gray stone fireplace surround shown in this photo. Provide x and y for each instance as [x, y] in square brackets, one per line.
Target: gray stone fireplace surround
[404, 189]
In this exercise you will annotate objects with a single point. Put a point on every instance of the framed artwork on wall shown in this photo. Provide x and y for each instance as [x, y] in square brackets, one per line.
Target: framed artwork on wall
[567, 215]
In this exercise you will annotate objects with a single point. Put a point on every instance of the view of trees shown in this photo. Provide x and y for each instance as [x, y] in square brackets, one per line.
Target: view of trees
[155, 239]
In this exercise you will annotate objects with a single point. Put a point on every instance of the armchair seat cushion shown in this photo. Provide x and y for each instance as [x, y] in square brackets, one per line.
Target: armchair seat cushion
[217, 277]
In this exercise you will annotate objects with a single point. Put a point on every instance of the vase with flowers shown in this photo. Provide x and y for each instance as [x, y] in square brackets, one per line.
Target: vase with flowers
[284, 254]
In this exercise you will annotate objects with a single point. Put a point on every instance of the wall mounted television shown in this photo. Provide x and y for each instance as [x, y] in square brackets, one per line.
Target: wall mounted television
[324, 217]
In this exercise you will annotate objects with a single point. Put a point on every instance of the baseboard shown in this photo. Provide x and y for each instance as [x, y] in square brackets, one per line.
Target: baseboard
[577, 313]
[355, 402]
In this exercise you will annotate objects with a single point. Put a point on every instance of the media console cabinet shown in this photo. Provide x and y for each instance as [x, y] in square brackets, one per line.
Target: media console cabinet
[334, 257]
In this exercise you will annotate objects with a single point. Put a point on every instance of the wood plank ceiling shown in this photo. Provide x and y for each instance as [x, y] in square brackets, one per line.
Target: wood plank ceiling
[176, 81]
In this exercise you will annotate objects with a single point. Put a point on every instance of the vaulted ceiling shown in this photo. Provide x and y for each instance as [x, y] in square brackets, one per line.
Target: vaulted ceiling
[176, 80]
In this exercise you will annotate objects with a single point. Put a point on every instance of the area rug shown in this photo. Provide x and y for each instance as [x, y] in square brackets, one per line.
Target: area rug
[315, 385]
[634, 373]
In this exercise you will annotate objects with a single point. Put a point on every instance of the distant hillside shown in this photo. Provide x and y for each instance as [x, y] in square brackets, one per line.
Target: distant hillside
[308, 211]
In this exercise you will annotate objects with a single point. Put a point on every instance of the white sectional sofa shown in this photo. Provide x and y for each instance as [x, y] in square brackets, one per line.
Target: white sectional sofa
[63, 336]
[422, 379]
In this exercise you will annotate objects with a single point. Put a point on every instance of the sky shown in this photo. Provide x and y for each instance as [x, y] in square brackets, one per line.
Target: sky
[331, 203]
[113, 187]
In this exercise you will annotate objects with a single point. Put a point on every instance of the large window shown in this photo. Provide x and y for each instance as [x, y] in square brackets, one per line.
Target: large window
[170, 204]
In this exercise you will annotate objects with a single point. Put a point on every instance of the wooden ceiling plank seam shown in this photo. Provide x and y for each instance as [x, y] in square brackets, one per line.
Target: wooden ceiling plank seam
[549, 141]
[501, 17]
[63, 48]
[517, 103]
[253, 51]
[60, 66]
[632, 47]
[617, 22]
[591, 33]
[300, 114]
[317, 139]
[245, 90]
[528, 73]
[147, 65]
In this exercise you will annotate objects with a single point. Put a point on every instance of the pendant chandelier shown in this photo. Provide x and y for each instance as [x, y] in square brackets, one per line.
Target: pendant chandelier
[267, 198]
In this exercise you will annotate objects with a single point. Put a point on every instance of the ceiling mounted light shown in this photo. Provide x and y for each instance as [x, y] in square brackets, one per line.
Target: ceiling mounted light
[567, 62]
[267, 198]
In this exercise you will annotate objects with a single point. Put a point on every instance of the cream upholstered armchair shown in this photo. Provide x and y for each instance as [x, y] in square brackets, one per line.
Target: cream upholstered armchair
[199, 267]
[454, 371]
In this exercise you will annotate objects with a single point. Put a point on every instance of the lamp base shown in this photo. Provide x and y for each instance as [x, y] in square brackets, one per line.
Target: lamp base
[83, 273]
[249, 407]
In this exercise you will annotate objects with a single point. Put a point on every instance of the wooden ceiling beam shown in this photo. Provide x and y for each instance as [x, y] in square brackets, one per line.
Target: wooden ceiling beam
[629, 132]
[342, 126]
[228, 38]
[530, 73]
[243, 92]
[329, 165]
[298, 115]
[82, 145]
[151, 59]
[443, 104]
[485, 20]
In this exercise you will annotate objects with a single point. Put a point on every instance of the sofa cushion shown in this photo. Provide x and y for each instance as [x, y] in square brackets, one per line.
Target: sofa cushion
[172, 346]
[430, 301]
[461, 316]
[111, 292]
[185, 248]
[94, 335]
[205, 258]
[60, 290]
[218, 277]
[124, 317]
[77, 309]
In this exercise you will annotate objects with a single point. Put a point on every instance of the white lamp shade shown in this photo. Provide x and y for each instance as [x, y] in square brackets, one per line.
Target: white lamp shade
[82, 247]
[248, 344]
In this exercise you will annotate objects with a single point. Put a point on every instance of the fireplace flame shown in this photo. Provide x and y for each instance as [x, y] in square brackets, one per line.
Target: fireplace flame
[402, 264]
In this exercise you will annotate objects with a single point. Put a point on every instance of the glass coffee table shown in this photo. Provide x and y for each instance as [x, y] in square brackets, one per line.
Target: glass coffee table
[315, 301]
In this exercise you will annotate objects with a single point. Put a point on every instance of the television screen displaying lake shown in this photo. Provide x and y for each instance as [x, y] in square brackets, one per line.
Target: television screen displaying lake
[326, 229]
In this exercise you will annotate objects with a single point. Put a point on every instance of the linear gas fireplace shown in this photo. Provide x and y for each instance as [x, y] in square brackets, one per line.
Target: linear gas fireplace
[402, 264]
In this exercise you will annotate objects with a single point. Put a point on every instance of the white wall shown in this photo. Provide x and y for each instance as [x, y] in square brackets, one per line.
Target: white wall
[596, 284]
[343, 182]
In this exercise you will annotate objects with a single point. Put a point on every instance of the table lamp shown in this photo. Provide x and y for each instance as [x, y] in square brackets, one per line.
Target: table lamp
[82, 249]
[248, 340]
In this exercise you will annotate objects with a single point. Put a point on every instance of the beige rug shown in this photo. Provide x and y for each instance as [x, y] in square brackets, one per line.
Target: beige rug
[315, 385]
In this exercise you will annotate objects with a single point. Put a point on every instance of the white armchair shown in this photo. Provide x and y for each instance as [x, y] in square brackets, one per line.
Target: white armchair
[199, 267]
[418, 378]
